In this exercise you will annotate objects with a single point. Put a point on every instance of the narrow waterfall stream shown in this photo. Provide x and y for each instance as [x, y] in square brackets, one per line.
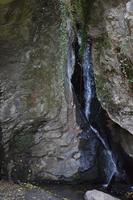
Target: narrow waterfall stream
[89, 94]
[89, 87]
[112, 167]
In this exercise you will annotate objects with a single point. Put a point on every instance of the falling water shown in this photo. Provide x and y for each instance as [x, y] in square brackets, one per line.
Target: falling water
[88, 80]
[111, 168]
[89, 93]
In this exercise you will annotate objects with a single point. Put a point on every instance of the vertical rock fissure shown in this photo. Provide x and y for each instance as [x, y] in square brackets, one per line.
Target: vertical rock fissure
[93, 138]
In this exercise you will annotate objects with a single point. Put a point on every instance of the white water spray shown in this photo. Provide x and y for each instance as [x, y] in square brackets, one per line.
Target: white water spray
[89, 93]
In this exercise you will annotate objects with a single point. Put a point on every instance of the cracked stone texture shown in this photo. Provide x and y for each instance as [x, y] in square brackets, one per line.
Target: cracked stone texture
[111, 27]
[37, 117]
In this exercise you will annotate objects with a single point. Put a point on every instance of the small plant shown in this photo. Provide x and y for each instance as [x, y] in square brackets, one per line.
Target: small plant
[28, 186]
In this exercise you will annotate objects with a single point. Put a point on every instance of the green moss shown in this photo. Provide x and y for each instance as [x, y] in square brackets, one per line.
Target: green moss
[29, 186]
[102, 43]
[102, 90]
[3, 2]
[104, 94]
[15, 21]
[22, 143]
[79, 11]
[96, 13]
[129, 72]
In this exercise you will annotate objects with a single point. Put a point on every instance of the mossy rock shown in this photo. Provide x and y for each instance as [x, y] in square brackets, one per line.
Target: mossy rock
[23, 142]
[3, 2]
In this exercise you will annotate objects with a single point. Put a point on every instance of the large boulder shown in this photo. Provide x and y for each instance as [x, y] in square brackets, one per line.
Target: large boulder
[37, 117]
[111, 28]
[110, 25]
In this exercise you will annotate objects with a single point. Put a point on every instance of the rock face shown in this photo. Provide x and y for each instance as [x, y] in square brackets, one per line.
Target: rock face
[98, 195]
[111, 27]
[38, 127]
[37, 115]
[10, 191]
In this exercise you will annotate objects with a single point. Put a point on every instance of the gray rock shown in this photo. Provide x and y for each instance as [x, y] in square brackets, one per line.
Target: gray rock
[38, 124]
[98, 195]
[39, 131]
[113, 61]
[11, 191]
[37, 113]
[112, 31]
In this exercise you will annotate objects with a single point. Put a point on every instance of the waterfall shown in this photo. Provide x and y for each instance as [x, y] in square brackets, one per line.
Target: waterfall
[88, 80]
[89, 94]
[111, 168]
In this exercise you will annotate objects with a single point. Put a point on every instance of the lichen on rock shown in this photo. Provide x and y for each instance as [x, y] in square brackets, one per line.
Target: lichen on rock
[112, 56]
[38, 123]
